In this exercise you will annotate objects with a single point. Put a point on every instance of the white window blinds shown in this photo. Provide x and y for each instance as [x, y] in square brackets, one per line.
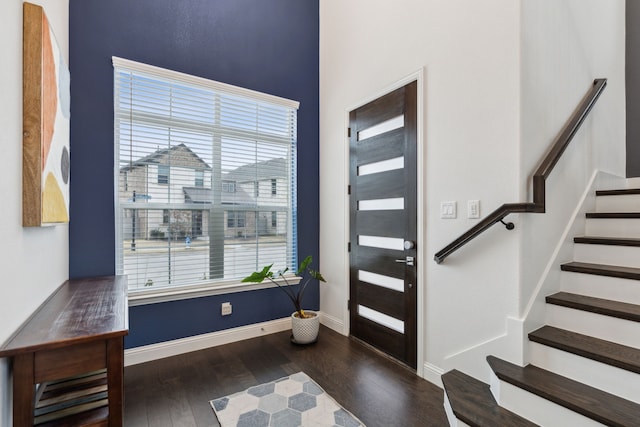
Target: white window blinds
[202, 170]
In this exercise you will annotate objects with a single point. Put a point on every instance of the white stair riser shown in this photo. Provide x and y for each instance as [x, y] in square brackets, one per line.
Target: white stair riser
[612, 288]
[451, 417]
[535, 408]
[608, 328]
[627, 256]
[613, 227]
[622, 203]
[595, 374]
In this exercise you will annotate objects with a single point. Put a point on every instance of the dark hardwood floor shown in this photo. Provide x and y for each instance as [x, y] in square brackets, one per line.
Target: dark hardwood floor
[176, 391]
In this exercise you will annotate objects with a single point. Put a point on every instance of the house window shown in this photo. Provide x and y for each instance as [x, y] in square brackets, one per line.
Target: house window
[199, 178]
[274, 187]
[236, 219]
[195, 149]
[242, 219]
[228, 187]
[163, 174]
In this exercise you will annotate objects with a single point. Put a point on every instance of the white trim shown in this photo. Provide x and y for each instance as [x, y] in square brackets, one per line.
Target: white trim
[202, 82]
[433, 374]
[565, 237]
[417, 76]
[152, 296]
[334, 323]
[161, 350]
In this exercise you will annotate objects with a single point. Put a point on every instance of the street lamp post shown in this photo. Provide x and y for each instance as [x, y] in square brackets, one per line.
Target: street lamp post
[134, 212]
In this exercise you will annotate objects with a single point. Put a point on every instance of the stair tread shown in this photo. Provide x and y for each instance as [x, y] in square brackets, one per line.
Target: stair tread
[473, 403]
[578, 397]
[618, 355]
[621, 310]
[594, 240]
[602, 270]
[618, 192]
[606, 215]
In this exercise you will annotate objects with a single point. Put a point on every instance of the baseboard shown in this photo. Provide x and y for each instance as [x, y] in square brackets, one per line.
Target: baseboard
[433, 374]
[633, 182]
[151, 352]
[334, 323]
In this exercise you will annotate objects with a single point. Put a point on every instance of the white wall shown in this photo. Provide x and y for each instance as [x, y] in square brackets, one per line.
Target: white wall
[470, 52]
[565, 45]
[501, 78]
[34, 260]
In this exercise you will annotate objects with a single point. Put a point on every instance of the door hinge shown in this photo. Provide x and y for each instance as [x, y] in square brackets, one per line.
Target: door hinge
[349, 305]
[349, 246]
[349, 132]
[349, 189]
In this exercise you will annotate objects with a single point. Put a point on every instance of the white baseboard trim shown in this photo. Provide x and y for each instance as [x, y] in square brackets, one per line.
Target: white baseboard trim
[433, 374]
[161, 350]
[334, 323]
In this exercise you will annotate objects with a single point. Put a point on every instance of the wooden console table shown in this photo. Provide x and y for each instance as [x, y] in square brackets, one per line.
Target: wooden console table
[77, 333]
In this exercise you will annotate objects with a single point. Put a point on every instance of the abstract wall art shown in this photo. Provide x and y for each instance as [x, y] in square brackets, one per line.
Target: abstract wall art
[46, 111]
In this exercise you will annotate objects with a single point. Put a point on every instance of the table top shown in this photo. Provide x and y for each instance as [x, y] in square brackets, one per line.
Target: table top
[80, 310]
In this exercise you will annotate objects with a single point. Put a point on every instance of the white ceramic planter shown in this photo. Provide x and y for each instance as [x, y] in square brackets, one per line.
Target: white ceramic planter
[305, 331]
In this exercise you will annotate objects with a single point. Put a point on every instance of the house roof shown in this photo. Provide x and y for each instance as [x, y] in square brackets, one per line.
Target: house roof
[177, 155]
[274, 168]
[204, 195]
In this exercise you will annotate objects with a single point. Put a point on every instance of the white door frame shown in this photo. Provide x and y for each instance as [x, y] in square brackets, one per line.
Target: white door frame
[421, 197]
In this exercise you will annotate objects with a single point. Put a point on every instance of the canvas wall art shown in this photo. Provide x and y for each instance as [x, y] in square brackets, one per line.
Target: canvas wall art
[46, 111]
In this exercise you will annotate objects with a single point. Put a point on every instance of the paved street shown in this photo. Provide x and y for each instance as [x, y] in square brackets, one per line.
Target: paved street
[152, 263]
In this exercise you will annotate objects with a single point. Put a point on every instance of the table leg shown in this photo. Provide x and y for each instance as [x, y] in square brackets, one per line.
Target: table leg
[115, 383]
[23, 390]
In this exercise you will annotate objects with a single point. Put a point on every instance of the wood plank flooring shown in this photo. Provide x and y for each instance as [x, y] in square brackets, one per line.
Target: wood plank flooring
[176, 391]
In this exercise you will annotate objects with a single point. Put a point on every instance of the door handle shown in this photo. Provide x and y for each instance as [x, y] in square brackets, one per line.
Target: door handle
[408, 260]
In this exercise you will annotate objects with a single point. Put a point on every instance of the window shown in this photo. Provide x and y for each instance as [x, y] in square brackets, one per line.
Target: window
[274, 219]
[163, 174]
[199, 181]
[228, 187]
[193, 151]
[273, 187]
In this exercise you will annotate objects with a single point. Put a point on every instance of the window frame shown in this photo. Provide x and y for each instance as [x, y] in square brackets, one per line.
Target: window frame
[164, 176]
[219, 286]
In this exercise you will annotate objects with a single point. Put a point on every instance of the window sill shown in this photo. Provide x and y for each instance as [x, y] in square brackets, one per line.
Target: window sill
[166, 294]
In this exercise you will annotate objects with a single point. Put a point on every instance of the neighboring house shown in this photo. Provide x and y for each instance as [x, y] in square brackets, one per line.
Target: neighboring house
[178, 175]
[161, 178]
[267, 183]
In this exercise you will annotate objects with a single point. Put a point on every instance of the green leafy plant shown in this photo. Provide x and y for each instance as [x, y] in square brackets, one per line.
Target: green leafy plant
[294, 294]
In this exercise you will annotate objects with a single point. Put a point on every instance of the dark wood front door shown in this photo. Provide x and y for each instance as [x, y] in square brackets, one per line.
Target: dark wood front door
[383, 223]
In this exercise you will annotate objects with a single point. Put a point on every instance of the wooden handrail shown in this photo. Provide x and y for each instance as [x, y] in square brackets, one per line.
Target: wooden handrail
[542, 172]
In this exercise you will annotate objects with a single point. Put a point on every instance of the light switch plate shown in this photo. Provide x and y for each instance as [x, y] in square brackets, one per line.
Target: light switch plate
[473, 209]
[448, 210]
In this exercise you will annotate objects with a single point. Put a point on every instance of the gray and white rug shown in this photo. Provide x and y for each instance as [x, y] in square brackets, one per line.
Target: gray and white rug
[292, 401]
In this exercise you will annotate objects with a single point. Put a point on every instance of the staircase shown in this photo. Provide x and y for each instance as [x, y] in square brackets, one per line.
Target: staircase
[585, 362]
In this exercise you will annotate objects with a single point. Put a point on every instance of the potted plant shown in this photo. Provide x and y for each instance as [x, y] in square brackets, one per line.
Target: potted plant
[304, 324]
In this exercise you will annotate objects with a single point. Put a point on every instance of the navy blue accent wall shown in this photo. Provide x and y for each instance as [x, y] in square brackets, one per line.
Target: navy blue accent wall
[271, 46]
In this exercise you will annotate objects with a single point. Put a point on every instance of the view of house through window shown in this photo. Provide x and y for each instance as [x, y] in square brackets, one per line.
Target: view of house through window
[206, 179]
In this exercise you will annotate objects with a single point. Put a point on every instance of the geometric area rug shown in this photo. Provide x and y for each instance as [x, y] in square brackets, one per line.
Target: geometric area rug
[291, 401]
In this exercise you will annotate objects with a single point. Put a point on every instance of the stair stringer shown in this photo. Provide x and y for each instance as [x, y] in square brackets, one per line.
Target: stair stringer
[534, 315]
[514, 345]
[472, 361]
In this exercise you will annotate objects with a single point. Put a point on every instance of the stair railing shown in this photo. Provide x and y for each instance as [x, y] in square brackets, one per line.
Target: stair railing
[544, 170]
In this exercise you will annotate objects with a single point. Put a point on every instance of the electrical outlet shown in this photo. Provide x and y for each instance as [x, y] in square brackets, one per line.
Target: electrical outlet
[226, 308]
[473, 209]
